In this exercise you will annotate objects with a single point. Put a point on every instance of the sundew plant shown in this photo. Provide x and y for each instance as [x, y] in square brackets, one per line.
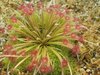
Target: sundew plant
[35, 33]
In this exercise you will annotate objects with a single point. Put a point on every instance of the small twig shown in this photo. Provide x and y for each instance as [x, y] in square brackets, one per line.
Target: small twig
[91, 43]
[20, 62]
[8, 68]
[97, 61]
[70, 69]
[35, 72]
[62, 72]
[10, 56]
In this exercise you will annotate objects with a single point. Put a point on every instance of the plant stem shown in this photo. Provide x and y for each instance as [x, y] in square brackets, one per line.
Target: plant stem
[91, 43]
[70, 69]
[8, 68]
[10, 56]
[20, 62]
[62, 72]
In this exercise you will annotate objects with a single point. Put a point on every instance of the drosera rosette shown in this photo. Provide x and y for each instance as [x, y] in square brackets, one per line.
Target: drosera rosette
[33, 33]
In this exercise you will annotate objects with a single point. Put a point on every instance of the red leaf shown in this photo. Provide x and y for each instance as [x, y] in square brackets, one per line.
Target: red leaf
[81, 39]
[34, 53]
[49, 10]
[34, 63]
[9, 27]
[8, 47]
[76, 19]
[14, 38]
[67, 18]
[40, 5]
[21, 6]
[22, 53]
[65, 41]
[29, 5]
[64, 63]
[74, 36]
[45, 69]
[30, 68]
[2, 30]
[78, 27]
[14, 19]
[12, 59]
[75, 49]
[56, 6]
[44, 60]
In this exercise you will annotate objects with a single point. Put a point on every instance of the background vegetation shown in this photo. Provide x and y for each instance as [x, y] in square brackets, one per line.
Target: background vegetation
[88, 10]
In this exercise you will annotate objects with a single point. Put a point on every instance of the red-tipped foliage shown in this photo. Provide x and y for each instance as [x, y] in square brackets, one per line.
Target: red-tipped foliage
[8, 47]
[49, 10]
[22, 53]
[74, 36]
[66, 29]
[45, 69]
[64, 63]
[12, 59]
[30, 68]
[26, 8]
[21, 6]
[67, 10]
[6, 52]
[38, 22]
[26, 11]
[67, 18]
[13, 52]
[65, 41]
[76, 19]
[75, 49]
[14, 38]
[67, 26]
[32, 65]
[78, 27]
[65, 32]
[29, 5]
[81, 39]
[40, 5]
[9, 27]
[34, 53]
[13, 19]
[44, 60]
[60, 14]
[57, 6]
[2, 30]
